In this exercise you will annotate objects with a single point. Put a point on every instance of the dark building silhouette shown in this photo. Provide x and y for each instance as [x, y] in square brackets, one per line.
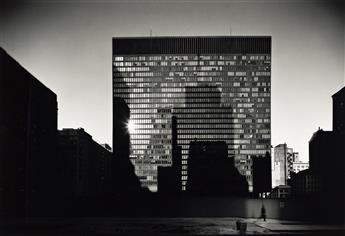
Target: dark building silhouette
[216, 123]
[211, 172]
[305, 184]
[280, 191]
[339, 111]
[121, 138]
[330, 146]
[322, 146]
[339, 130]
[169, 178]
[28, 132]
[328, 180]
[158, 70]
[123, 173]
[262, 175]
[207, 98]
[85, 165]
[104, 169]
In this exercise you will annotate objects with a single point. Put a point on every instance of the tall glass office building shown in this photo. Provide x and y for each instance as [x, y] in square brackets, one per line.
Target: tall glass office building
[219, 88]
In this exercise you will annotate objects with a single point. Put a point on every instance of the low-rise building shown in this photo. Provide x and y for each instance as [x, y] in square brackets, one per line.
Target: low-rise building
[299, 166]
[212, 172]
[281, 191]
[305, 183]
[85, 165]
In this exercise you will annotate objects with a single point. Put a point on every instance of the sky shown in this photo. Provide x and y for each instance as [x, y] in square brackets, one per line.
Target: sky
[67, 46]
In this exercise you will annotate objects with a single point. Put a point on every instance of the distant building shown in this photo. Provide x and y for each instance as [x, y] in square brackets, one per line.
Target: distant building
[28, 131]
[155, 76]
[299, 166]
[295, 157]
[85, 164]
[282, 164]
[211, 171]
[281, 191]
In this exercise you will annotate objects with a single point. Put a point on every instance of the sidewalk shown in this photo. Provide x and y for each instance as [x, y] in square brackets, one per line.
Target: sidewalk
[281, 226]
[161, 226]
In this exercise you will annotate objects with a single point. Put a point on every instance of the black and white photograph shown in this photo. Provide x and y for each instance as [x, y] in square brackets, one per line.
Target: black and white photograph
[163, 117]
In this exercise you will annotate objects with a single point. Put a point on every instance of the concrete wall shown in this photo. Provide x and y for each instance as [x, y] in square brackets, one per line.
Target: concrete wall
[192, 206]
[231, 207]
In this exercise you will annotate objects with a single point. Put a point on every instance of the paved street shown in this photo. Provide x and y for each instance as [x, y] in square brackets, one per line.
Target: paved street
[161, 226]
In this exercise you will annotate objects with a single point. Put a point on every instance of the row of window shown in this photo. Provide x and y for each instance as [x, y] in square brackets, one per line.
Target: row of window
[190, 70]
[225, 122]
[194, 118]
[183, 114]
[202, 103]
[185, 151]
[188, 63]
[230, 102]
[229, 128]
[189, 81]
[187, 138]
[158, 152]
[185, 124]
[182, 92]
[179, 93]
[197, 112]
[193, 72]
[245, 96]
[210, 125]
[191, 57]
[254, 152]
[260, 102]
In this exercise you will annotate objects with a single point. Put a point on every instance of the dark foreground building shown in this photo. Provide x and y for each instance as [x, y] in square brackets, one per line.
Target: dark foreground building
[339, 112]
[330, 146]
[124, 180]
[28, 132]
[324, 184]
[211, 172]
[156, 75]
[262, 175]
[85, 165]
[169, 178]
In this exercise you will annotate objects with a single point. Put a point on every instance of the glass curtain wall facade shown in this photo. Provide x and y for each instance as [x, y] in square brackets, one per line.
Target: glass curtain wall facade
[217, 87]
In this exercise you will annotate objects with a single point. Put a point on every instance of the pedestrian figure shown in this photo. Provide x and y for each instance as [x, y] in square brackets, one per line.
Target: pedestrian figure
[263, 212]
